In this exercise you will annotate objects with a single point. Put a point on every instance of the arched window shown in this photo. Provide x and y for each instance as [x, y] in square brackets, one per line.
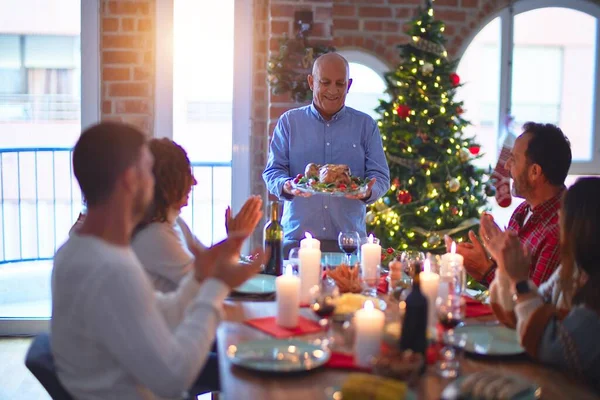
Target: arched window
[368, 85]
[536, 61]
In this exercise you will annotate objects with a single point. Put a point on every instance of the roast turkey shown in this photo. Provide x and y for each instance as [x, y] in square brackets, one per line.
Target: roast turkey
[329, 173]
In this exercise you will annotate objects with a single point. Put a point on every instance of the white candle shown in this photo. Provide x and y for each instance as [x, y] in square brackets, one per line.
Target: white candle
[287, 287]
[451, 259]
[452, 272]
[370, 257]
[430, 283]
[310, 271]
[368, 323]
[310, 242]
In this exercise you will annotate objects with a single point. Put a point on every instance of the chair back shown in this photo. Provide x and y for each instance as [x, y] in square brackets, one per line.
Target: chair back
[40, 362]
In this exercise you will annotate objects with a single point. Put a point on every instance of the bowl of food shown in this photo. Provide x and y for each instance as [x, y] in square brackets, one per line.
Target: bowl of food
[347, 278]
[348, 303]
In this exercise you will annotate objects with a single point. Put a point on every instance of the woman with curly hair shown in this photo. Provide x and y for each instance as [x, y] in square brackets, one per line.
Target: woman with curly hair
[163, 241]
[560, 333]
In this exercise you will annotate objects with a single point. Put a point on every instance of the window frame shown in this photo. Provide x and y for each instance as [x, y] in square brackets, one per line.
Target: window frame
[90, 114]
[242, 90]
[506, 16]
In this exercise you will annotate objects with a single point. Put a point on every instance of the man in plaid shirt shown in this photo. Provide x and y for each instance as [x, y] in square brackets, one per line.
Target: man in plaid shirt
[539, 163]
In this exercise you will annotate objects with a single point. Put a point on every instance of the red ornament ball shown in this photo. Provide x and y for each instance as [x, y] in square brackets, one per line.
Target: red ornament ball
[454, 211]
[396, 182]
[403, 110]
[459, 109]
[454, 79]
[390, 250]
[404, 197]
[474, 149]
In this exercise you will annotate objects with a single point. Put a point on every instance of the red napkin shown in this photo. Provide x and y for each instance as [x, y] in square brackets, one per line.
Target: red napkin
[476, 308]
[344, 361]
[269, 326]
[382, 287]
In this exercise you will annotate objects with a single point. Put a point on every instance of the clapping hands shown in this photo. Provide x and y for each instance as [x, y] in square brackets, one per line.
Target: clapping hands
[511, 256]
[221, 262]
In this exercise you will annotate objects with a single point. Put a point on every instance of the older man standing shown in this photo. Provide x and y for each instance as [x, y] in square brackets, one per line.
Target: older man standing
[325, 132]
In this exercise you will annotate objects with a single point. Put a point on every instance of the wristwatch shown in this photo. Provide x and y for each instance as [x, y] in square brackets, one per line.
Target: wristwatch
[521, 288]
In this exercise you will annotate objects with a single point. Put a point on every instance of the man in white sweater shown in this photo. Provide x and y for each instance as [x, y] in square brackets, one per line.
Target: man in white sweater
[112, 336]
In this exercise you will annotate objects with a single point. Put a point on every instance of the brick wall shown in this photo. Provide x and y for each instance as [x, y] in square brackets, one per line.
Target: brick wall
[127, 61]
[373, 26]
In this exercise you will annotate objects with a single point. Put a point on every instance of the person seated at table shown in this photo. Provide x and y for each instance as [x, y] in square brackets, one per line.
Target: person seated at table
[112, 336]
[565, 340]
[538, 164]
[501, 294]
[163, 242]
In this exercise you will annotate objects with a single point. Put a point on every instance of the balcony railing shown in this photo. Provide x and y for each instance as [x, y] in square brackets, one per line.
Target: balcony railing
[40, 200]
[29, 107]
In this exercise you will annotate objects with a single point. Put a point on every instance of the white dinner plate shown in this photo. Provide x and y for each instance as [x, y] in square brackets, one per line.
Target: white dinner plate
[258, 284]
[282, 356]
[490, 340]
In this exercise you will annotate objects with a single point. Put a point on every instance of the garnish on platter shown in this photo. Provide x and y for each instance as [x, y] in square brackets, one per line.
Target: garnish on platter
[330, 179]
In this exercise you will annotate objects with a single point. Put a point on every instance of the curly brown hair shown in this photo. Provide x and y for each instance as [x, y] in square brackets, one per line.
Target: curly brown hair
[173, 178]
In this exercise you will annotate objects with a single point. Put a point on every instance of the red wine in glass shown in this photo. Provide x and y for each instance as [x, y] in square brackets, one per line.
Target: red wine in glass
[348, 242]
[323, 309]
[349, 248]
[448, 322]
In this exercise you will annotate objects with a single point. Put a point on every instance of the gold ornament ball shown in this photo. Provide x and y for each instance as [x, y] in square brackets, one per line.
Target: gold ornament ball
[453, 185]
[370, 217]
[434, 239]
[464, 155]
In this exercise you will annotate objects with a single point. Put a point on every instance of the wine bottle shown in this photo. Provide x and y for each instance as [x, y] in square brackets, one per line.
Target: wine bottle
[273, 241]
[414, 326]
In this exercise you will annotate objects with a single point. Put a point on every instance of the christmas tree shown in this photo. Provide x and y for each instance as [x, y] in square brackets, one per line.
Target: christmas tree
[435, 190]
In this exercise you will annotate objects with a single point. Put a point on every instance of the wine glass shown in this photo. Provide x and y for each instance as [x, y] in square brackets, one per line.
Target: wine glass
[323, 298]
[348, 242]
[294, 258]
[408, 259]
[451, 310]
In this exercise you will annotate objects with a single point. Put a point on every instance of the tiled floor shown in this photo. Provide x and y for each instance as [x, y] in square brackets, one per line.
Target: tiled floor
[16, 382]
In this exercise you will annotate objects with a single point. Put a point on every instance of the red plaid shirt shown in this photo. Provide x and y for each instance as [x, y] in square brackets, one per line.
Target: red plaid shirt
[541, 234]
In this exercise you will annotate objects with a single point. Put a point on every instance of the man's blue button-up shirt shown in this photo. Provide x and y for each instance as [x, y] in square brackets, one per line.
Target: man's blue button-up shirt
[303, 136]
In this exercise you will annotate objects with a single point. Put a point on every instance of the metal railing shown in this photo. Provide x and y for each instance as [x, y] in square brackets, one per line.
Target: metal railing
[40, 200]
[48, 107]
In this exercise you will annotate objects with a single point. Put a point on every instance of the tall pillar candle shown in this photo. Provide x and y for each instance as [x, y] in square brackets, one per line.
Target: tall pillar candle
[368, 323]
[310, 242]
[452, 272]
[287, 287]
[430, 283]
[310, 271]
[370, 258]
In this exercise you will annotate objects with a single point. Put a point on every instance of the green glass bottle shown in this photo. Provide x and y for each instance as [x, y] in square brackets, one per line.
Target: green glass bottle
[273, 241]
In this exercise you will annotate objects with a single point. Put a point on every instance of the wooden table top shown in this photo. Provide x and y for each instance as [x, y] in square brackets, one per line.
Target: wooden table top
[240, 384]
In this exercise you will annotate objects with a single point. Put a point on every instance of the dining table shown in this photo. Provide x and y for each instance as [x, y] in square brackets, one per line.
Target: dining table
[238, 383]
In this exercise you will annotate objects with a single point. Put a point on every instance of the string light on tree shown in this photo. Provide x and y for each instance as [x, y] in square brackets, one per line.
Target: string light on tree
[428, 154]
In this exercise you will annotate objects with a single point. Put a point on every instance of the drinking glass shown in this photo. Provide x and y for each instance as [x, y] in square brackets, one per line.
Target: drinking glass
[408, 259]
[294, 258]
[370, 279]
[349, 243]
[451, 310]
[323, 297]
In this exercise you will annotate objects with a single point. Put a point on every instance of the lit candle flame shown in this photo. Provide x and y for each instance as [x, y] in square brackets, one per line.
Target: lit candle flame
[308, 235]
[369, 305]
[426, 266]
[371, 238]
[453, 248]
